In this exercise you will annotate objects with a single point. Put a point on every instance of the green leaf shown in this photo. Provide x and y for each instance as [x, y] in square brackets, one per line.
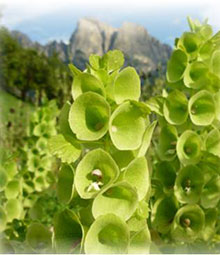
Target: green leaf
[120, 199]
[189, 184]
[3, 219]
[202, 108]
[74, 70]
[189, 147]
[188, 223]
[147, 139]
[137, 175]
[68, 232]
[175, 108]
[86, 82]
[167, 143]
[108, 234]
[140, 242]
[161, 216]
[127, 127]
[14, 209]
[65, 187]
[39, 238]
[127, 85]
[13, 189]
[176, 66]
[67, 151]
[89, 121]
[212, 142]
[96, 171]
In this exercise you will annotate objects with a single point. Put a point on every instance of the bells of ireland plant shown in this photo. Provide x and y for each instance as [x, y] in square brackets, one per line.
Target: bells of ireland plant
[189, 147]
[175, 108]
[127, 126]
[202, 108]
[189, 184]
[89, 121]
[167, 143]
[96, 171]
[108, 234]
[188, 223]
[185, 176]
[104, 179]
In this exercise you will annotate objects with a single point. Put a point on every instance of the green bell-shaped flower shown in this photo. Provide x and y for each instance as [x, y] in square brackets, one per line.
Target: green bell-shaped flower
[140, 242]
[210, 196]
[3, 219]
[86, 82]
[14, 209]
[202, 108]
[212, 142]
[163, 213]
[127, 126]
[215, 63]
[95, 171]
[13, 189]
[41, 145]
[39, 238]
[68, 232]
[65, 184]
[3, 179]
[147, 139]
[137, 174]
[11, 169]
[189, 184]
[127, 85]
[108, 234]
[167, 143]
[189, 147]
[188, 223]
[120, 199]
[189, 42]
[40, 182]
[175, 108]
[112, 60]
[196, 76]
[176, 66]
[89, 121]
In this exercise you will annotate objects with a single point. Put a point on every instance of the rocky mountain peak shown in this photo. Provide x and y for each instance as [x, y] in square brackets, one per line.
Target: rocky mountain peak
[94, 37]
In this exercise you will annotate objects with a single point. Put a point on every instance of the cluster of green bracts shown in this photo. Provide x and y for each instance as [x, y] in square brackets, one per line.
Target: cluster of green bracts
[24, 176]
[104, 179]
[186, 176]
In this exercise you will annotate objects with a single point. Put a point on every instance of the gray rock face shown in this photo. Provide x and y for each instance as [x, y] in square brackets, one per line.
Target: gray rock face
[92, 36]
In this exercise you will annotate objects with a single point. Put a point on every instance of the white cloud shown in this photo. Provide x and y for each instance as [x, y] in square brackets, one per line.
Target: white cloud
[17, 11]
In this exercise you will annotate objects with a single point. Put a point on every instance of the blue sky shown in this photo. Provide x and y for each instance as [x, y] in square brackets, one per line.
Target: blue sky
[46, 20]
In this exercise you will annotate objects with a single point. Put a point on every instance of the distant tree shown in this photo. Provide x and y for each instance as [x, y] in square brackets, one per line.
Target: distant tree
[26, 70]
